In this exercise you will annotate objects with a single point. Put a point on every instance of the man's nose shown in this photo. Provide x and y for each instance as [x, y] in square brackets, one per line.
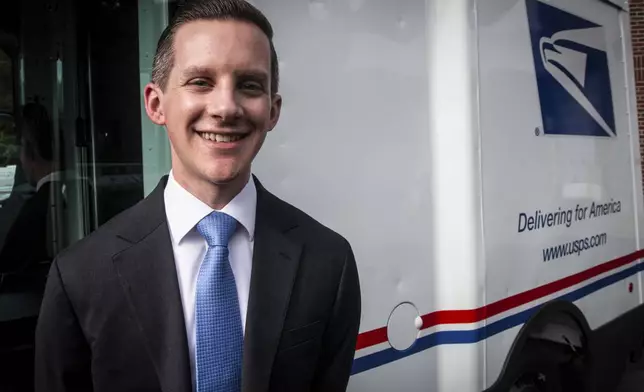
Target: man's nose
[223, 103]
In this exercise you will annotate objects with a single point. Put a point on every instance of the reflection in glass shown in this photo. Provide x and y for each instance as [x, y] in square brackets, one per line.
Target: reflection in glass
[70, 144]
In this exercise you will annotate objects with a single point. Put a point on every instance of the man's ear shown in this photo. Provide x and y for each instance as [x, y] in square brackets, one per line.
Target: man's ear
[276, 108]
[152, 94]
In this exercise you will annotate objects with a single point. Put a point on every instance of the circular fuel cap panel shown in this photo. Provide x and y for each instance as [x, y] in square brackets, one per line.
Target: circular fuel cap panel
[403, 326]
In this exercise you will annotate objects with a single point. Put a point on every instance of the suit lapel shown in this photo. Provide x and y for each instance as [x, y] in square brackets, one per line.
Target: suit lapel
[149, 278]
[275, 262]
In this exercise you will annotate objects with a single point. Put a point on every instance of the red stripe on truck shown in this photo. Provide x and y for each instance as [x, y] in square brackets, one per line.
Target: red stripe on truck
[466, 316]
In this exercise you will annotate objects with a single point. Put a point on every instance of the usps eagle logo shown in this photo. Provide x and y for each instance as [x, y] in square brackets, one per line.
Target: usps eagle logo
[573, 77]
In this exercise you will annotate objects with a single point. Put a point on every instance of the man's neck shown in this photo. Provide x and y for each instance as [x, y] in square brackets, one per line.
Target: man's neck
[217, 196]
[44, 169]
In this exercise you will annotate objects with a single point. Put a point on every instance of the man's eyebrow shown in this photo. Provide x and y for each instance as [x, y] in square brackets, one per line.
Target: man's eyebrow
[196, 70]
[252, 73]
[193, 71]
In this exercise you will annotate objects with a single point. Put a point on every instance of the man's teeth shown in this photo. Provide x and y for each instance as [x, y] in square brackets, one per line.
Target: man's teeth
[220, 138]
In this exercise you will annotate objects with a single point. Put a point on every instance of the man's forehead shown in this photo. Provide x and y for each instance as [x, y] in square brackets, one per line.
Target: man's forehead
[221, 40]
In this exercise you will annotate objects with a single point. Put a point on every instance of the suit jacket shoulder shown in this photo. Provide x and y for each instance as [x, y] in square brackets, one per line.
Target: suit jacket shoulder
[313, 271]
[86, 267]
[112, 300]
[305, 228]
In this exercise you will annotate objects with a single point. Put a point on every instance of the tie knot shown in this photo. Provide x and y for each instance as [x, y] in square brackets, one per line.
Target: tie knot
[217, 228]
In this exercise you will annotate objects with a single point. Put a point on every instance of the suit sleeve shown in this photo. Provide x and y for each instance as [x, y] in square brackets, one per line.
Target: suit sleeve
[338, 347]
[62, 361]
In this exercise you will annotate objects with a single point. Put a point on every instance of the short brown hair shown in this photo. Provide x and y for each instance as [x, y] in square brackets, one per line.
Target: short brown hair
[209, 10]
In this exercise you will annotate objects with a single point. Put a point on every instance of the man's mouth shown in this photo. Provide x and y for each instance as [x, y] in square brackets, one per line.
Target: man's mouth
[222, 137]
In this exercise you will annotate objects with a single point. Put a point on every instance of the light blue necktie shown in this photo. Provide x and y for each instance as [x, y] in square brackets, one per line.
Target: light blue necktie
[219, 340]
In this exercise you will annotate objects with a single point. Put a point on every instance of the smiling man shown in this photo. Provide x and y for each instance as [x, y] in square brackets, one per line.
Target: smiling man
[211, 283]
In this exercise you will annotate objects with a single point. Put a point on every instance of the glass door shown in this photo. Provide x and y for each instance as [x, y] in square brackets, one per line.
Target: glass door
[76, 147]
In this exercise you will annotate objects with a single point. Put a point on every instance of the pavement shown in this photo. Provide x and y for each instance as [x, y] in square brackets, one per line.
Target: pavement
[633, 380]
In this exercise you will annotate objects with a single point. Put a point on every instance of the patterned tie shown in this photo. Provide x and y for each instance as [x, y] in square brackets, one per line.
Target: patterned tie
[218, 322]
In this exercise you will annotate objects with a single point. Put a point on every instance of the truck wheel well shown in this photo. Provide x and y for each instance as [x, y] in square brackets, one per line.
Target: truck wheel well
[557, 321]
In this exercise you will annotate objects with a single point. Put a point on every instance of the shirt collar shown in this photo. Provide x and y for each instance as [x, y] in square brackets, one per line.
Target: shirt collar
[53, 176]
[184, 210]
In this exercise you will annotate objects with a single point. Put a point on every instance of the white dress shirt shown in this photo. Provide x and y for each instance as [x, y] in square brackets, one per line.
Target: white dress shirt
[183, 211]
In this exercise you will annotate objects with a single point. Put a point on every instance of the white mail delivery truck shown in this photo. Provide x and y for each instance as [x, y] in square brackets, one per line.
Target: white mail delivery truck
[482, 157]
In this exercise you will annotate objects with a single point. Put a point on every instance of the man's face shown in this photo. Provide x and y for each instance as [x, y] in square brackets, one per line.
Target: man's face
[217, 105]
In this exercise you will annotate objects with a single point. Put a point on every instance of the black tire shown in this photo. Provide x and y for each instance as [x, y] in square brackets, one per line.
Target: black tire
[538, 368]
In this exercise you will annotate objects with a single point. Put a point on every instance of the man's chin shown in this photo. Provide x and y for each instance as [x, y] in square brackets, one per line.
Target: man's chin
[227, 178]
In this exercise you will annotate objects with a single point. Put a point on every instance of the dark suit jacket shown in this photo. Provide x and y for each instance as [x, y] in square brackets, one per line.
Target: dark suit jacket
[112, 318]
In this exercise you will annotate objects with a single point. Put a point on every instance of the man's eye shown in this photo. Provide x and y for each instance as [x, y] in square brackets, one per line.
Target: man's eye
[199, 83]
[253, 86]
